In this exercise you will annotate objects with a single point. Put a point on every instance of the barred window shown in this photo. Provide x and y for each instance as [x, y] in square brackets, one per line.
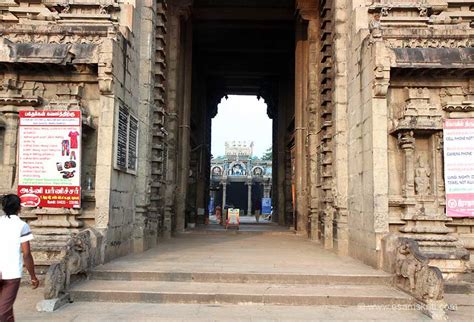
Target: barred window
[126, 141]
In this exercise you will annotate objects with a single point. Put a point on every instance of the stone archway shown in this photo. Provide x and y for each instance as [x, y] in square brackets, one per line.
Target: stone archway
[288, 62]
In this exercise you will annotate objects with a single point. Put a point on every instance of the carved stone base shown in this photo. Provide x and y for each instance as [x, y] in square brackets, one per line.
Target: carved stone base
[53, 228]
[49, 244]
[56, 217]
[341, 238]
[437, 243]
[314, 233]
[435, 309]
[53, 304]
[70, 257]
[414, 275]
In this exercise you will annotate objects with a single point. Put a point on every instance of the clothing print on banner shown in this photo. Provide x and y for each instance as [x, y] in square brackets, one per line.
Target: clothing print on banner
[65, 148]
[13, 232]
[73, 136]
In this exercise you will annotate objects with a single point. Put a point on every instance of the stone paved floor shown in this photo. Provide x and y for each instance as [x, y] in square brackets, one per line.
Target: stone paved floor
[270, 251]
[207, 251]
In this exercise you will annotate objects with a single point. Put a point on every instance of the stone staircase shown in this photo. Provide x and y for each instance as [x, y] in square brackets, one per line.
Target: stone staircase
[238, 288]
[260, 265]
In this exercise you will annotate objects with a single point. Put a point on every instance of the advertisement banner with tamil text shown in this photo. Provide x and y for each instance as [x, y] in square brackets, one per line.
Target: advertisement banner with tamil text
[49, 158]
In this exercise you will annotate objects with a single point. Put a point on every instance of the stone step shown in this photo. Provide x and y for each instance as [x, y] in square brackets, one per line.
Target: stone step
[244, 229]
[237, 293]
[230, 277]
[458, 287]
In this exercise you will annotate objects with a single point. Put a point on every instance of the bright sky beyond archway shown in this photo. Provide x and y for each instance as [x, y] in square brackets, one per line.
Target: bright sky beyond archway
[241, 118]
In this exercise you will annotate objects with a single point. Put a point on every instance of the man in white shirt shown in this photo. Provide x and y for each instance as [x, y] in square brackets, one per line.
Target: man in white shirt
[15, 236]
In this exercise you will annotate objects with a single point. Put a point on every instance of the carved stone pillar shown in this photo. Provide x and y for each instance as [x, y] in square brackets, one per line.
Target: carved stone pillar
[8, 166]
[10, 135]
[224, 194]
[406, 142]
[281, 153]
[328, 221]
[300, 130]
[249, 198]
[185, 130]
[313, 125]
[439, 180]
[172, 120]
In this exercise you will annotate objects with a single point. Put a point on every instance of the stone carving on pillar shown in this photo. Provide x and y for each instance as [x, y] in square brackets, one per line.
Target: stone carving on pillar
[406, 141]
[401, 12]
[422, 177]
[328, 221]
[457, 99]
[375, 29]
[419, 113]
[106, 81]
[12, 94]
[105, 70]
[69, 97]
[415, 276]
[385, 10]
[77, 257]
[381, 81]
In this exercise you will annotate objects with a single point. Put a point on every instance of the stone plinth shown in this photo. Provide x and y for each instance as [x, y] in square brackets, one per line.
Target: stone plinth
[437, 243]
[56, 217]
[52, 229]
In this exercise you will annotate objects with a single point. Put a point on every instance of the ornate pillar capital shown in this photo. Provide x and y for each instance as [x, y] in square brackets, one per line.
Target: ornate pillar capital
[406, 140]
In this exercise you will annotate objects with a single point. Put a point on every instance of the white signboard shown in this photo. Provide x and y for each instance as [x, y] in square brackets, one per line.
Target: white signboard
[459, 167]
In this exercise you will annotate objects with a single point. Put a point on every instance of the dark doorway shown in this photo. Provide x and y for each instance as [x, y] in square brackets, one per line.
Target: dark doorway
[242, 49]
[237, 195]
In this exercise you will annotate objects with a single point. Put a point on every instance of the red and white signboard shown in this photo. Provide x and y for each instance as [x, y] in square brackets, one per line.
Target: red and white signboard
[49, 156]
[459, 167]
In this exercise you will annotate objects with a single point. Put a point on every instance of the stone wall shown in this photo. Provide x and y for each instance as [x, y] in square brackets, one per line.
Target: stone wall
[34, 76]
[361, 142]
[110, 64]
[395, 117]
[126, 94]
[132, 224]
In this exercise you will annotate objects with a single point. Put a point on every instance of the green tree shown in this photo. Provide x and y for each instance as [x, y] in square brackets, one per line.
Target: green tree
[268, 155]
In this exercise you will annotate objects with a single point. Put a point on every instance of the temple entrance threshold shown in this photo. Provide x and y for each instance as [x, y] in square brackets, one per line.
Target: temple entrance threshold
[248, 224]
[269, 267]
[268, 249]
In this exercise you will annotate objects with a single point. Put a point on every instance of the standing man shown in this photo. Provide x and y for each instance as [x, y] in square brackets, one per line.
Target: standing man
[15, 236]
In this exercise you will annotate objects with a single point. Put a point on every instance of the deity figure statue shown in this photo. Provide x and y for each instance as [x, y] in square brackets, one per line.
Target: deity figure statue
[257, 172]
[422, 177]
[237, 170]
[216, 171]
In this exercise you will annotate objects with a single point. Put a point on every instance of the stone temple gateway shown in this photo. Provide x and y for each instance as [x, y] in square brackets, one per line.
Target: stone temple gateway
[357, 90]
[239, 179]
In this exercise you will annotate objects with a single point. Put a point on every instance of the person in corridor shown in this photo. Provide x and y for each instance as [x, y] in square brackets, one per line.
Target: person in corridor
[15, 236]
